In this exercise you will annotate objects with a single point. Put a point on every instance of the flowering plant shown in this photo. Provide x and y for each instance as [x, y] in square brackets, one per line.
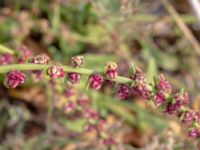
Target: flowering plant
[159, 93]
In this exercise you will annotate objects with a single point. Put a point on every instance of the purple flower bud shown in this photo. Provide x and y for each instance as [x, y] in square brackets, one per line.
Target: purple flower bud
[179, 100]
[172, 108]
[139, 77]
[159, 98]
[140, 89]
[182, 98]
[123, 91]
[163, 84]
[109, 141]
[74, 77]
[14, 78]
[71, 106]
[55, 72]
[188, 117]
[194, 133]
[6, 59]
[111, 70]
[95, 81]
[77, 61]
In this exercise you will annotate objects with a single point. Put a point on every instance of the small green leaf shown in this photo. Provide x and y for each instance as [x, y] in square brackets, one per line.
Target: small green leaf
[132, 70]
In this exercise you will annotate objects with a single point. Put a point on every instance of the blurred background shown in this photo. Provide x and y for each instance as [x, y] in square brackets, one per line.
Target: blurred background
[144, 32]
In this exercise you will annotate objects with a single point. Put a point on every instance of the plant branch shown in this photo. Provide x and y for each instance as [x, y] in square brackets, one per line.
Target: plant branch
[83, 71]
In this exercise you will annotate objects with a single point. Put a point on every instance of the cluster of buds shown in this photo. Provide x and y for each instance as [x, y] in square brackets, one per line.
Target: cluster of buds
[6, 59]
[110, 70]
[180, 99]
[76, 62]
[124, 91]
[14, 79]
[162, 90]
[95, 81]
[139, 87]
[55, 72]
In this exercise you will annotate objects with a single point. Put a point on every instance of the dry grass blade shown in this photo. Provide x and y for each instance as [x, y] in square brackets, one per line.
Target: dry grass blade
[182, 25]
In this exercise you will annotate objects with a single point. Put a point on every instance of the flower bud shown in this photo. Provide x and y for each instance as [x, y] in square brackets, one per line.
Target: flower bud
[194, 133]
[123, 91]
[74, 77]
[95, 81]
[40, 59]
[159, 98]
[139, 77]
[14, 78]
[188, 117]
[182, 98]
[6, 59]
[55, 72]
[110, 70]
[141, 89]
[77, 61]
[163, 84]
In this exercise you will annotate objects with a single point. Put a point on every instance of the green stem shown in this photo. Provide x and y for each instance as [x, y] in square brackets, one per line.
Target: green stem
[4, 49]
[29, 66]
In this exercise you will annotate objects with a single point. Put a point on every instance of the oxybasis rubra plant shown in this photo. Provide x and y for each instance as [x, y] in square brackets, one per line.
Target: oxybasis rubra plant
[159, 92]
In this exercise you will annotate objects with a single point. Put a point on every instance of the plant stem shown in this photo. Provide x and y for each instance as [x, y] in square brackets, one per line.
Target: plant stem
[83, 71]
[4, 49]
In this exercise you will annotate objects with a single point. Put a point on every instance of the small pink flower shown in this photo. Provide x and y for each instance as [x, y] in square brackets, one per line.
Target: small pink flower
[159, 98]
[182, 98]
[139, 77]
[163, 84]
[74, 77]
[123, 91]
[55, 72]
[95, 81]
[14, 78]
[140, 89]
[111, 70]
[194, 133]
[172, 108]
[188, 117]
[6, 59]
